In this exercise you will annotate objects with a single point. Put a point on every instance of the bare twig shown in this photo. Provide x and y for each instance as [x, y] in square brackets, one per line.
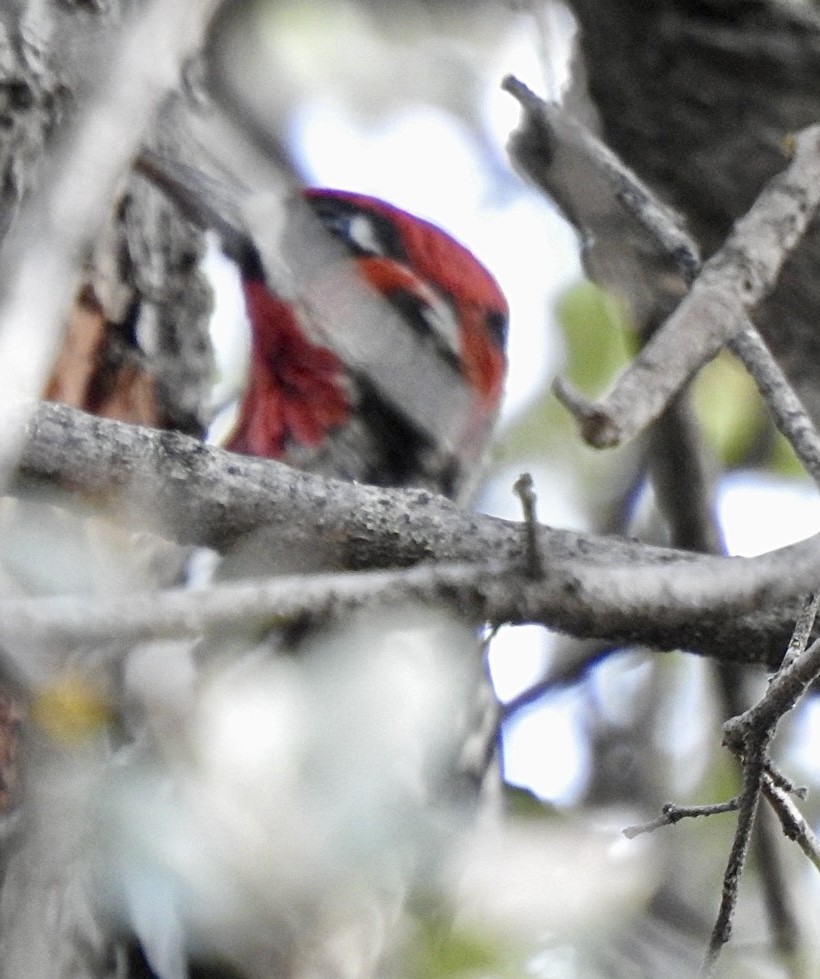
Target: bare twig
[765, 852]
[802, 632]
[791, 819]
[671, 814]
[748, 735]
[753, 769]
[768, 855]
[779, 780]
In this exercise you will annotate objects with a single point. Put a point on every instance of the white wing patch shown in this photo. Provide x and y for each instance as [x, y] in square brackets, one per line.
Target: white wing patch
[439, 316]
[362, 235]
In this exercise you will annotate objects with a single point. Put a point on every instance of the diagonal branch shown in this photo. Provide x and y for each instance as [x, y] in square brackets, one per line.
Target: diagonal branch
[730, 286]
[794, 824]
[785, 407]
[727, 289]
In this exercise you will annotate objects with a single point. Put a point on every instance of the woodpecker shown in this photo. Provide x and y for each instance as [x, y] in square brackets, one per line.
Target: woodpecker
[378, 355]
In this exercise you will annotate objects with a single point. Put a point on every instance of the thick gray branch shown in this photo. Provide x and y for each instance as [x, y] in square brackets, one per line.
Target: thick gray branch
[620, 590]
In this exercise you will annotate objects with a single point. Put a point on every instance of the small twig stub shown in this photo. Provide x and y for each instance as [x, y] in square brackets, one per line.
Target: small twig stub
[525, 491]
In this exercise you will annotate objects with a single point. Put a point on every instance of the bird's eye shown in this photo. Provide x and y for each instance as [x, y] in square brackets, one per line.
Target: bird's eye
[497, 323]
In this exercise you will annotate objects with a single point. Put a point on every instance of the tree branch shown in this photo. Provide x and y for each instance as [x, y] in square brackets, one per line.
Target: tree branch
[749, 735]
[716, 309]
[727, 289]
[794, 824]
[740, 609]
[710, 156]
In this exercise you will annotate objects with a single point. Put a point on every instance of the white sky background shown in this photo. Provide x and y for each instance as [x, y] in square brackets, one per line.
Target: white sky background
[533, 254]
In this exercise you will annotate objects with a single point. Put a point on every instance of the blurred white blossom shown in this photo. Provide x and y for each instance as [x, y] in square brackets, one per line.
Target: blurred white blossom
[534, 881]
[288, 816]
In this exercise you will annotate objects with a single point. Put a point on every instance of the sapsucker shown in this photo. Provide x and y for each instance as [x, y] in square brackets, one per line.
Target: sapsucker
[377, 355]
[377, 340]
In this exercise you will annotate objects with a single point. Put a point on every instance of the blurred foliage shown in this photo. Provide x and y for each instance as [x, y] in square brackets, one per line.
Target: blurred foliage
[595, 328]
[521, 803]
[734, 420]
[594, 335]
[441, 951]
[71, 709]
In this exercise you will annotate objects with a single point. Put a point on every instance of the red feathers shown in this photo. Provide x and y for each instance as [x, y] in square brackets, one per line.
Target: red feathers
[295, 391]
[434, 260]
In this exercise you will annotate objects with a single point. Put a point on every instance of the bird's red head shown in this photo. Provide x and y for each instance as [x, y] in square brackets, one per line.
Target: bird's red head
[409, 260]
[306, 404]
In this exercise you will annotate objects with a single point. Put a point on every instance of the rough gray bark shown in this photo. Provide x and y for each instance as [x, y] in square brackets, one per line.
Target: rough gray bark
[621, 590]
[144, 264]
[174, 299]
